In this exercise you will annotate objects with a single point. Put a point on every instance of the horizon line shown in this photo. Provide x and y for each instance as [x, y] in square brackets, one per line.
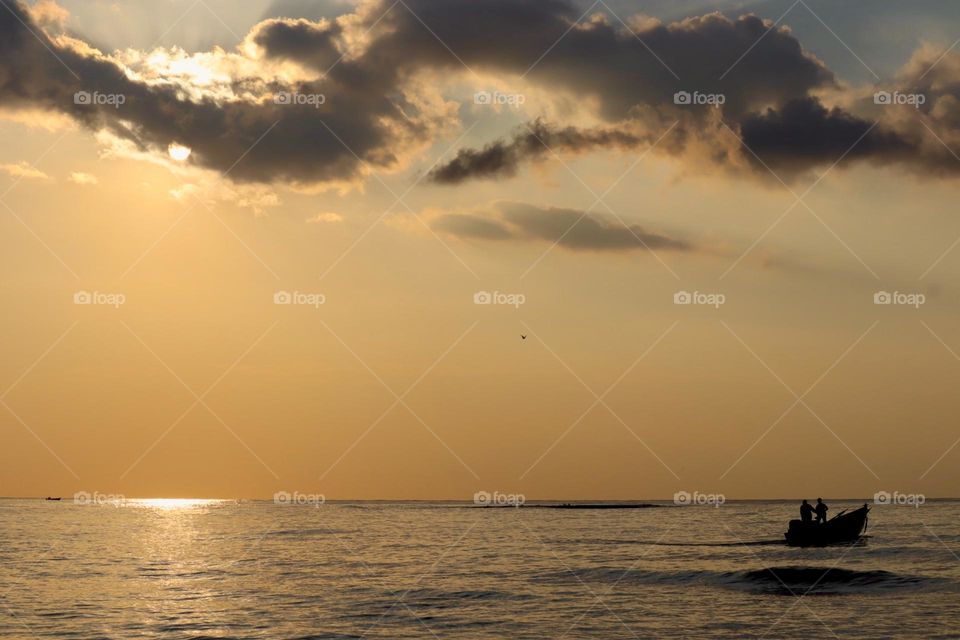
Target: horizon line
[470, 501]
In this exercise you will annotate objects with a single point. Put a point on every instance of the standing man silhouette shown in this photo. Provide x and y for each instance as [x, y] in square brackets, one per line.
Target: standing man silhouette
[821, 510]
[806, 512]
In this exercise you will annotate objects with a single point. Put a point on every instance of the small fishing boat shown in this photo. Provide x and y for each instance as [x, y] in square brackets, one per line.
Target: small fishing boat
[843, 527]
[54, 499]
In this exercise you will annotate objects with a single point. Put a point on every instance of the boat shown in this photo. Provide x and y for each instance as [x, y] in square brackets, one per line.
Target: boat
[845, 527]
[54, 499]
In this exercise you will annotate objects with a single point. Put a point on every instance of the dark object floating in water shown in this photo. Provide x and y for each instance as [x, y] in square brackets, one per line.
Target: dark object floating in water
[844, 527]
[55, 499]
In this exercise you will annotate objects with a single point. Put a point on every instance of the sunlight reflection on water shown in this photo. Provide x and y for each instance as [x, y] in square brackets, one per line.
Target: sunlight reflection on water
[175, 503]
[190, 568]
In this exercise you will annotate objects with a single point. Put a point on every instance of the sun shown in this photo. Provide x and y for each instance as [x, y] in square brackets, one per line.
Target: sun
[178, 152]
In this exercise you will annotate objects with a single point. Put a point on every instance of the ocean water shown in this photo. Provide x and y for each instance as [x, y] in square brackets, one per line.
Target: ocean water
[430, 570]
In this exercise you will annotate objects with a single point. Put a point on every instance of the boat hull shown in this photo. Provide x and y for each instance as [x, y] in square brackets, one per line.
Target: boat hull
[844, 528]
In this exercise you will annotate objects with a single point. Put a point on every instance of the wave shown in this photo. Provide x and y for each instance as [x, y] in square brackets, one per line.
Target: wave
[787, 580]
[429, 596]
[827, 580]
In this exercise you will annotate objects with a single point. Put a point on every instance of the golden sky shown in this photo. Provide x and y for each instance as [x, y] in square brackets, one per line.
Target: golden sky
[255, 253]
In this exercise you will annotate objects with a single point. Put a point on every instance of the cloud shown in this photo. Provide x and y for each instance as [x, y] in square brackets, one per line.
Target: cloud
[209, 193]
[239, 128]
[569, 228]
[49, 13]
[596, 58]
[326, 216]
[474, 227]
[533, 142]
[804, 133]
[323, 102]
[78, 177]
[24, 169]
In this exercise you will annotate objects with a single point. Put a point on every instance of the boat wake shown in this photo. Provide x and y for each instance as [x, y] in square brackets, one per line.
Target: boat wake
[787, 580]
[750, 543]
[656, 543]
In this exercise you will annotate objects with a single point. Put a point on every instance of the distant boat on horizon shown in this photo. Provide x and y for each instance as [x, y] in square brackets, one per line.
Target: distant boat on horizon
[54, 499]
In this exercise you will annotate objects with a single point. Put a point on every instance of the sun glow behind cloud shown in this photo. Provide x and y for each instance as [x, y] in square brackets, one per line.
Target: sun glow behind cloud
[178, 152]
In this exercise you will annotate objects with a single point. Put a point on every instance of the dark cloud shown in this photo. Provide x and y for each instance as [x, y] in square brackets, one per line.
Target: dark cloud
[569, 228]
[306, 42]
[366, 104]
[804, 133]
[369, 65]
[472, 227]
[600, 58]
[790, 139]
[535, 141]
[373, 126]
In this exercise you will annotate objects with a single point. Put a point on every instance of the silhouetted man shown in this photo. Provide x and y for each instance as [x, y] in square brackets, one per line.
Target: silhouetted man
[806, 512]
[821, 510]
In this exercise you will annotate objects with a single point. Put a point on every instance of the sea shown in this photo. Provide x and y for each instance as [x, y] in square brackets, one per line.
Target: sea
[172, 569]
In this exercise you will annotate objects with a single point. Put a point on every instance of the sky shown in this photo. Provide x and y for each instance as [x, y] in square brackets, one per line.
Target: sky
[417, 249]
